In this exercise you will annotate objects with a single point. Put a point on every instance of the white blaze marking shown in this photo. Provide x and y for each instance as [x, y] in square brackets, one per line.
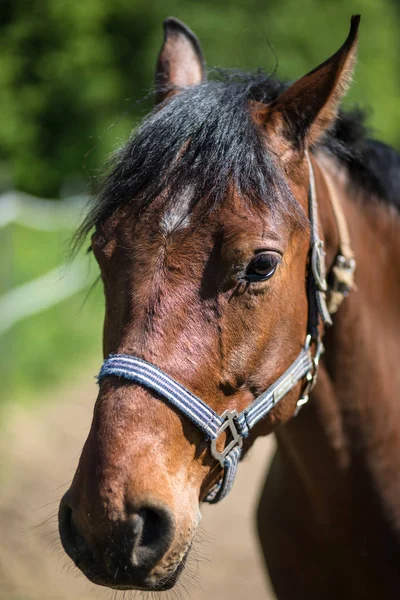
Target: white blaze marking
[177, 216]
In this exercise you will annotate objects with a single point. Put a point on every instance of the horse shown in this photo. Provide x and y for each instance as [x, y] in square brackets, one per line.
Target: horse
[234, 235]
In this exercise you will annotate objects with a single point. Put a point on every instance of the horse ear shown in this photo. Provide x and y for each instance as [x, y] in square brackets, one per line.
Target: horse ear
[309, 106]
[180, 62]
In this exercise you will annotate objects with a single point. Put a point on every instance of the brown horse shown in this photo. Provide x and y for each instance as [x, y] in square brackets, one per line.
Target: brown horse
[202, 234]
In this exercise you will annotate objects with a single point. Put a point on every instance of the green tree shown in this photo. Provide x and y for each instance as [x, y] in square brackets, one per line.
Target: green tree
[72, 72]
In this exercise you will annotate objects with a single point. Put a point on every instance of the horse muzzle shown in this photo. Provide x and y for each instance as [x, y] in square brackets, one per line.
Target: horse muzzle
[131, 553]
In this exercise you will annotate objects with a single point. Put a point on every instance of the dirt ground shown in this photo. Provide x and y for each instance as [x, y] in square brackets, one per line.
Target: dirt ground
[38, 455]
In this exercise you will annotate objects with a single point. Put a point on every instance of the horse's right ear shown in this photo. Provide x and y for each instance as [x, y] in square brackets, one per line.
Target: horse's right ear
[180, 62]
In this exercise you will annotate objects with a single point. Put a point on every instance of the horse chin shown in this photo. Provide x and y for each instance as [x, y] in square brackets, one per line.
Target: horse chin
[153, 583]
[167, 582]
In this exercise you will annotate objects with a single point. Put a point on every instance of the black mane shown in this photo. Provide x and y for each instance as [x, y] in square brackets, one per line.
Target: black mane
[373, 166]
[209, 128]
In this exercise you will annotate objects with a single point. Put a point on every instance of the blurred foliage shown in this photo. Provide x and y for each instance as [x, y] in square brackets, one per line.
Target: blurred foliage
[51, 347]
[47, 348]
[72, 73]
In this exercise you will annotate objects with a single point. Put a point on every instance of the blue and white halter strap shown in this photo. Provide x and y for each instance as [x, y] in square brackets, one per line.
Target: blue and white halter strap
[203, 416]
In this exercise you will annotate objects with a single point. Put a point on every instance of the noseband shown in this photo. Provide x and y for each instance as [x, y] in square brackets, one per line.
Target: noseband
[305, 365]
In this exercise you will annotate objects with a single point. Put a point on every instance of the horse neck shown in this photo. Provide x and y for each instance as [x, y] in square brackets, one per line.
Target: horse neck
[345, 445]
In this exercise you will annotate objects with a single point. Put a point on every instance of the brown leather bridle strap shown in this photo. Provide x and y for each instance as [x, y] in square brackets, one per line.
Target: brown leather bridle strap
[342, 273]
[344, 237]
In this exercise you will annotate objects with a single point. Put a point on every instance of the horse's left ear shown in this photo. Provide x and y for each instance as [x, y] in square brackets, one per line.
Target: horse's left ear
[180, 62]
[309, 106]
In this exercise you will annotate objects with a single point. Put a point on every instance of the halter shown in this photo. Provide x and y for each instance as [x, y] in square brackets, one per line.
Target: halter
[305, 366]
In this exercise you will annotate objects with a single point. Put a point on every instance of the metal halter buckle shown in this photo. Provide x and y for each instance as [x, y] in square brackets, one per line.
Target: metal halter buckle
[237, 439]
[343, 273]
[311, 377]
[318, 265]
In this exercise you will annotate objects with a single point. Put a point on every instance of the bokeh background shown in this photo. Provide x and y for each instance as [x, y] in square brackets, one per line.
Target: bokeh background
[75, 78]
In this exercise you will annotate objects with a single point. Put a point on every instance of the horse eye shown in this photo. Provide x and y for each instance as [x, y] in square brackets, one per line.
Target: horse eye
[262, 267]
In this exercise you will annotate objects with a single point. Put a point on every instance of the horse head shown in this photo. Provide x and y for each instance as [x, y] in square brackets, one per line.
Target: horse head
[202, 236]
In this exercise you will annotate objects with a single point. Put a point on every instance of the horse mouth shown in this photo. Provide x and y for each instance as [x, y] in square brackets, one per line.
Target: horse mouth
[148, 584]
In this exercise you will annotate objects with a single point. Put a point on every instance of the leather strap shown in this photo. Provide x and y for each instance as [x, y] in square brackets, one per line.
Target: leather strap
[342, 273]
[317, 285]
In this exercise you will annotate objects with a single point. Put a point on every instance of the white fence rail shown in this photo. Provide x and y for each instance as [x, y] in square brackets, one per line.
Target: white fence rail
[40, 294]
[36, 213]
[57, 285]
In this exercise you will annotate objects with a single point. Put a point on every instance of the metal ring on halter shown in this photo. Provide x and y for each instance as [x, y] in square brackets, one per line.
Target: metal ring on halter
[229, 417]
[311, 377]
[318, 352]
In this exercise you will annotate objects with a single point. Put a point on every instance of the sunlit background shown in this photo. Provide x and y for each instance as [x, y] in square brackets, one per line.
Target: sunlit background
[75, 78]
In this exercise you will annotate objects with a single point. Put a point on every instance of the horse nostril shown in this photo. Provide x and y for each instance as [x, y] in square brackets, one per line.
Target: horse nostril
[152, 525]
[66, 530]
[71, 540]
[153, 531]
